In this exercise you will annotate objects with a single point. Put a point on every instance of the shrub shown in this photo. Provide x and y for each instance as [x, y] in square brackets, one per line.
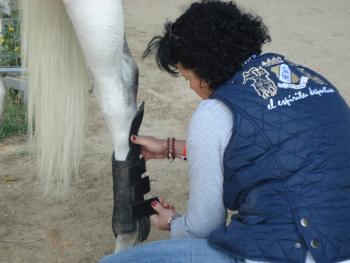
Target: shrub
[13, 120]
[9, 38]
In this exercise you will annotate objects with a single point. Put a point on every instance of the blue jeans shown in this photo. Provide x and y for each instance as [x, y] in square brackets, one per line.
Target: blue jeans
[171, 251]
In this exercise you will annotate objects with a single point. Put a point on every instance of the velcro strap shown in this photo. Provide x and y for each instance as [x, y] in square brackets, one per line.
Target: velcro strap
[143, 208]
[134, 128]
[137, 169]
[142, 187]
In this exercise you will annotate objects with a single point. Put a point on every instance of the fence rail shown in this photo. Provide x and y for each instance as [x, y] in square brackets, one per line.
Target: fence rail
[11, 70]
[12, 79]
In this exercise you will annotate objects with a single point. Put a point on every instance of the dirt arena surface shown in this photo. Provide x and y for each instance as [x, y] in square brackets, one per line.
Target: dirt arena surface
[77, 228]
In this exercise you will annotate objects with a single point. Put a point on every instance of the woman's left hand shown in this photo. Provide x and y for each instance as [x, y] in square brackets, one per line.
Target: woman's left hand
[165, 212]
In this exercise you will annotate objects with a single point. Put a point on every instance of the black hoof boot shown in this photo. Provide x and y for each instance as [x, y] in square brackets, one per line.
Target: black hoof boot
[129, 188]
[144, 228]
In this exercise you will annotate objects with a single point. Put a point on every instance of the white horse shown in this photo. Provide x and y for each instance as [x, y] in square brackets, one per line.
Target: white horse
[66, 44]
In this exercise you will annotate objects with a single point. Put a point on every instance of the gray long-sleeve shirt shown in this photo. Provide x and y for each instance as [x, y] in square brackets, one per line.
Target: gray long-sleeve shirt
[209, 132]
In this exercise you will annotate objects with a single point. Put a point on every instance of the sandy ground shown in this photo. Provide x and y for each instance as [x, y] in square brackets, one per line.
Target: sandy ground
[78, 228]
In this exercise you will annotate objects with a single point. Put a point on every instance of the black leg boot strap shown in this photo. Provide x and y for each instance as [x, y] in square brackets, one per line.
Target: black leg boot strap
[129, 188]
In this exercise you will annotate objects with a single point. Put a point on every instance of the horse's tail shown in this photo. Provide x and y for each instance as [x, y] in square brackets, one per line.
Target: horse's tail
[58, 82]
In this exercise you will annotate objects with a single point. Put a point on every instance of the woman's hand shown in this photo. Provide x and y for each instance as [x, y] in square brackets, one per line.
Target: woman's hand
[151, 147]
[165, 212]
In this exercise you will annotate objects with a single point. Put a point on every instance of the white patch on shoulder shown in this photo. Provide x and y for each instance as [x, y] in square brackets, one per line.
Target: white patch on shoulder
[301, 85]
[285, 74]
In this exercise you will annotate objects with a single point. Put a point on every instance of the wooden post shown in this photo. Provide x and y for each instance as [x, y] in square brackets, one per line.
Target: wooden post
[2, 96]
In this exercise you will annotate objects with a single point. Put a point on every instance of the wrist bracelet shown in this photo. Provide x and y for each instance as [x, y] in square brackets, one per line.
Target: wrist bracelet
[171, 219]
[168, 154]
[172, 151]
[184, 153]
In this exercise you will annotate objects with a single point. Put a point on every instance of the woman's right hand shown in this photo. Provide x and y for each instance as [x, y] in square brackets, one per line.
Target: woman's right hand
[151, 147]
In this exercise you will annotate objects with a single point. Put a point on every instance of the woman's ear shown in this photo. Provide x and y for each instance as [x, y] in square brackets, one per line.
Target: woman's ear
[204, 85]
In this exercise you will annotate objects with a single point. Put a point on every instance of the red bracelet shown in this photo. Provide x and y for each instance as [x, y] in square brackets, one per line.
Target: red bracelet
[184, 153]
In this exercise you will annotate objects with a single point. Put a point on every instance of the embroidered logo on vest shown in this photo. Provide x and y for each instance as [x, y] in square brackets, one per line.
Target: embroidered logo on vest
[272, 61]
[262, 83]
[314, 78]
[288, 78]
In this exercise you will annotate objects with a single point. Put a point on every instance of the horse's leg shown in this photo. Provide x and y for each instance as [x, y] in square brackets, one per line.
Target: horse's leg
[100, 30]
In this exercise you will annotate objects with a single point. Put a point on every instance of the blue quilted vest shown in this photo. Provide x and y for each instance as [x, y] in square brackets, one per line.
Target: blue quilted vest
[287, 165]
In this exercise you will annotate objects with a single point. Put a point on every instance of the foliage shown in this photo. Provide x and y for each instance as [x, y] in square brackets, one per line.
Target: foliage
[14, 116]
[9, 38]
[13, 120]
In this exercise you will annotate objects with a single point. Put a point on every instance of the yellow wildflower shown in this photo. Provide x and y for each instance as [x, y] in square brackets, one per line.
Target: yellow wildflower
[16, 49]
[2, 40]
[11, 29]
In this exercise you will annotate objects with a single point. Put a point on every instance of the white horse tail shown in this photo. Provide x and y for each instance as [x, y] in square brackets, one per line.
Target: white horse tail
[58, 83]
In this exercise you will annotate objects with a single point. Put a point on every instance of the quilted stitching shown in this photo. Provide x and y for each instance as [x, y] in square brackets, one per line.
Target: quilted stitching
[284, 164]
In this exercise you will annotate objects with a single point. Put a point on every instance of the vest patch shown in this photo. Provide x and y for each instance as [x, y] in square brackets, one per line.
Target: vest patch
[268, 89]
[272, 61]
[293, 78]
[285, 74]
[301, 85]
[262, 83]
[312, 77]
[288, 78]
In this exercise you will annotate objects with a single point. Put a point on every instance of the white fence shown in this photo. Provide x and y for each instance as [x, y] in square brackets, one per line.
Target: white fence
[11, 77]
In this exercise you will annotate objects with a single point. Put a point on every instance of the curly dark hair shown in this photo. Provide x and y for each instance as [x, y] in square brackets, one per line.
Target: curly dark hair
[212, 38]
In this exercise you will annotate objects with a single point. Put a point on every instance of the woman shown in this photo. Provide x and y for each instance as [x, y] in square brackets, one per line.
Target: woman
[270, 139]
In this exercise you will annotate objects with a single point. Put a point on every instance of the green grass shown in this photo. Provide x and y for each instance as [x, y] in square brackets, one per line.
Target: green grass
[13, 122]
